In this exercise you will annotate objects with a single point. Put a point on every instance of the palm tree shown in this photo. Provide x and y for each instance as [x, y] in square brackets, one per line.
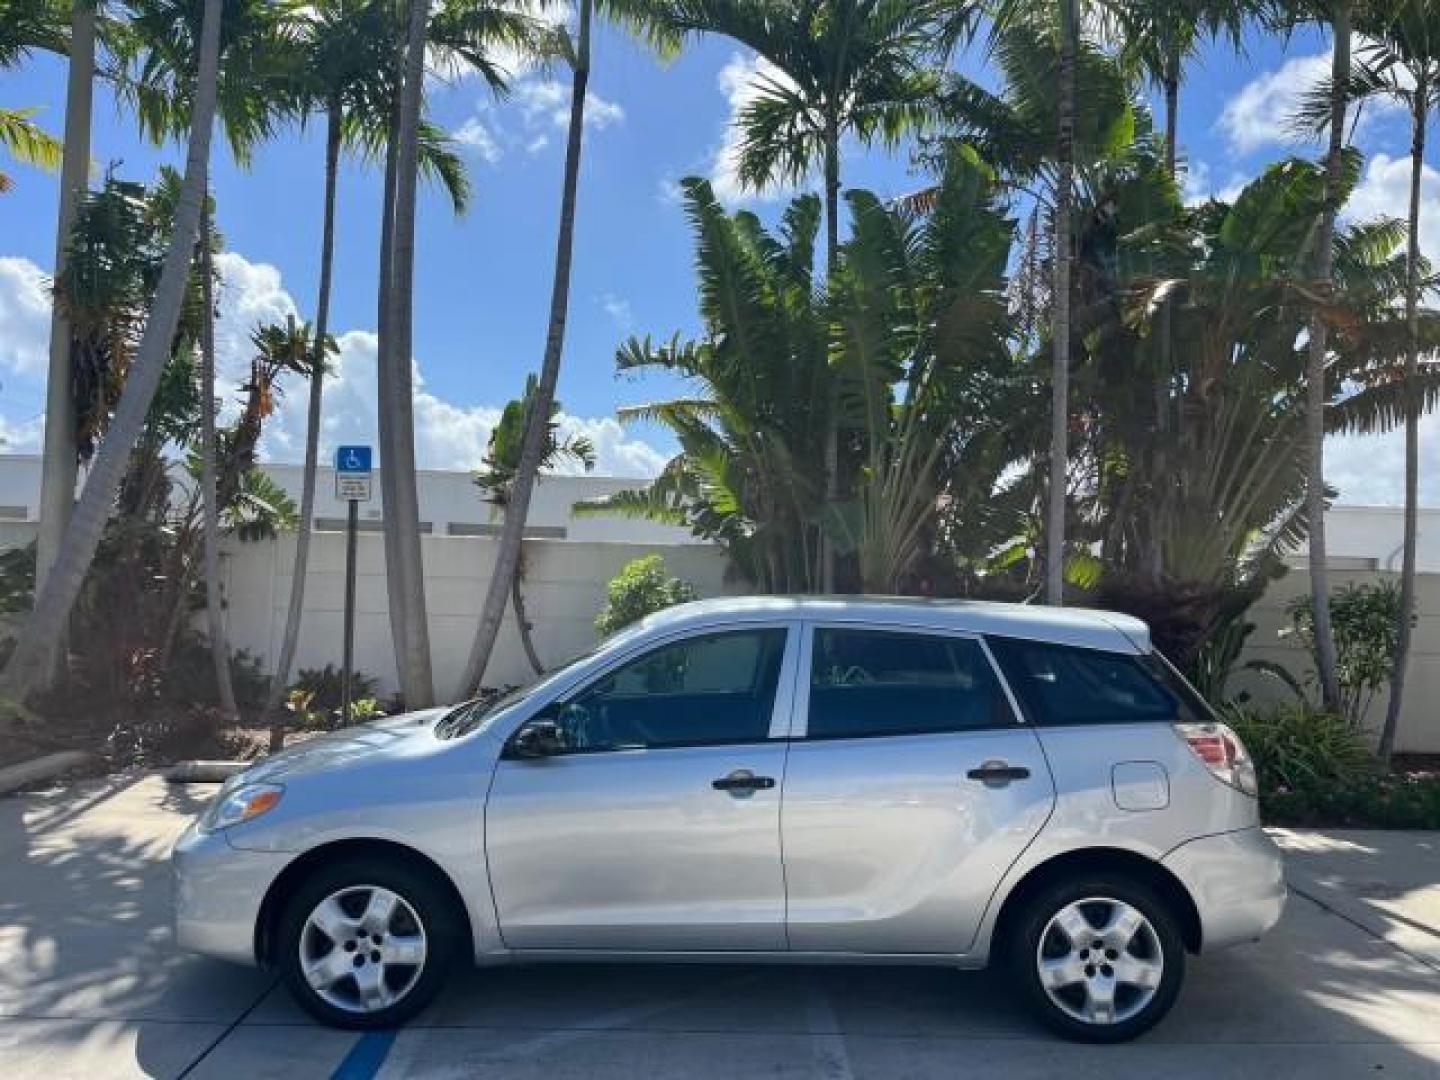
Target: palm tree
[26, 142]
[1338, 13]
[403, 554]
[1158, 37]
[861, 68]
[497, 476]
[58, 469]
[644, 17]
[1402, 61]
[209, 458]
[54, 601]
[347, 45]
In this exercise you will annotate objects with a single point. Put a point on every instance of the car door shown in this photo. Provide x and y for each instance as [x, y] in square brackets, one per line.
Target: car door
[657, 825]
[912, 786]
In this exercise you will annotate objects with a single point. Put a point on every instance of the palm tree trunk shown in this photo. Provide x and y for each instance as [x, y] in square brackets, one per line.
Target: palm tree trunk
[1315, 367]
[395, 594]
[209, 460]
[55, 599]
[832, 418]
[403, 554]
[522, 620]
[58, 469]
[517, 508]
[281, 675]
[1060, 310]
[1405, 630]
[1172, 110]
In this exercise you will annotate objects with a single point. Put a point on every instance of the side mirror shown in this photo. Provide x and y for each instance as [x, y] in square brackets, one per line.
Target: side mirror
[539, 738]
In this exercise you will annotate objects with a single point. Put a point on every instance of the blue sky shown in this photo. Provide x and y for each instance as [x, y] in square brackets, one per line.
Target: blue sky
[482, 281]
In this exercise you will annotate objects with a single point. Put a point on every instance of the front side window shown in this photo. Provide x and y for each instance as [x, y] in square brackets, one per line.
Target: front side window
[710, 689]
[1062, 684]
[868, 683]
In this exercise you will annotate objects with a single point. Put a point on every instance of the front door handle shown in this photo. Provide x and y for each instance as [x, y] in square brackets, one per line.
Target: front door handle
[998, 773]
[743, 780]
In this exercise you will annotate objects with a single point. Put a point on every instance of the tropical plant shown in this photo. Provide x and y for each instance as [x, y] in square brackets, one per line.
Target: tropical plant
[26, 142]
[643, 17]
[921, 353]
[1400, 60]
[57, 596]
[1366, 621]
[497, 476]
[642, 588]
[863, 69]
[750, 473]
[915, 333]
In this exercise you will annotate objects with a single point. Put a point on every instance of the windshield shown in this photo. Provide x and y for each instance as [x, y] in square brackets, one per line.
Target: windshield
[483, 711]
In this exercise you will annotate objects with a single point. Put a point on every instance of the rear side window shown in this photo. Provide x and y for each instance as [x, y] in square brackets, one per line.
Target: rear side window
[868, 683]
[1059, 684]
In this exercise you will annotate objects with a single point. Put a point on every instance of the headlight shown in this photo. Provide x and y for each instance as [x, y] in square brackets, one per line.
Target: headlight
[243, 804]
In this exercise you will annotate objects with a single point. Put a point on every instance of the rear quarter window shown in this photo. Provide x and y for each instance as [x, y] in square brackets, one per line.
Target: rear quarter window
[1065, 685]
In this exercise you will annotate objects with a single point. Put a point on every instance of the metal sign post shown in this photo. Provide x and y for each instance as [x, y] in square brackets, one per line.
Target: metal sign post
[353, 484]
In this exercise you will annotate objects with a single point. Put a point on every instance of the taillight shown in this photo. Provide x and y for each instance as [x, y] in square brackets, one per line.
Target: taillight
[1222, 752]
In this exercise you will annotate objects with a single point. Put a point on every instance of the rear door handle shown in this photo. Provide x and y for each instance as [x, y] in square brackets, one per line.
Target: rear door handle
[998, 773]
[743, 780]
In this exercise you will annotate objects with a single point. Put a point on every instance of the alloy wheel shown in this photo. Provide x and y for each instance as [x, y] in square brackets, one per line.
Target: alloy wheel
[1100, 960]
[362, 949]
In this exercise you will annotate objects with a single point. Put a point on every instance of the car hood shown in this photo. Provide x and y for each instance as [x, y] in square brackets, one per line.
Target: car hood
[392, 737]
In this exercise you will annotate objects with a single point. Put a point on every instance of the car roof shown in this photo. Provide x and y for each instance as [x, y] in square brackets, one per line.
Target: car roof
[1082, 627]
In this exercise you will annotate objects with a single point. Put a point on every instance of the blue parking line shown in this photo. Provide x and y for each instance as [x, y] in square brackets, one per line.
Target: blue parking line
[366, 1057]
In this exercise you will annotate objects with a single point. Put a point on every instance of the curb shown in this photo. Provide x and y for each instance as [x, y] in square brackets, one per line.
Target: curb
[203, 772]
[13, 777]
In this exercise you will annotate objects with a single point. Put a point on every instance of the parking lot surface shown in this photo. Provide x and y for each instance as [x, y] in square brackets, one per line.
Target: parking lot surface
[90, 986]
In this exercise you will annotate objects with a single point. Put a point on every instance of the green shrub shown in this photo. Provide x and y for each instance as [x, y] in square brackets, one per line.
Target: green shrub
[325, 684]
[641, 588]
[1364, 619]
[1297, 746]
[1315, 769]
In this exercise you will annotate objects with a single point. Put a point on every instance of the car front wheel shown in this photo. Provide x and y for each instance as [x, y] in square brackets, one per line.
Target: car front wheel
[367, 944]
[1100, 959]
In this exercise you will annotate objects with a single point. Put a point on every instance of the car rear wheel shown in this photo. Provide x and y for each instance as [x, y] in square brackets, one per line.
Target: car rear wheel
[1099, 959]
[367, 944]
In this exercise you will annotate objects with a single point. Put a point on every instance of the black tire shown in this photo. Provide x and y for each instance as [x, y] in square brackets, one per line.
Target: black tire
[1024, 958]
[433, 908]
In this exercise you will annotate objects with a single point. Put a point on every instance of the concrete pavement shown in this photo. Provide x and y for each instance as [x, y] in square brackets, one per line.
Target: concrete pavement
[91, 986]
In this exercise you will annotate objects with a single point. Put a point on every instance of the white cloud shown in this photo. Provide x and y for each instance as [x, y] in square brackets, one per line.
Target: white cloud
[23, 436]
[741, 81]
[24, 318]
[543, 101]
[476, 136]
[1200, 184]
[543, 105]
[618, 308]
[447, 435]
[1384, 191]
[1262, 113]
[1369, 470]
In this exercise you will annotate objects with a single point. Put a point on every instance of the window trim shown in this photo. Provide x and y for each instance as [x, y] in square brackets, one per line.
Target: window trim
[1033, 712]
[780, 711]
[800, 729]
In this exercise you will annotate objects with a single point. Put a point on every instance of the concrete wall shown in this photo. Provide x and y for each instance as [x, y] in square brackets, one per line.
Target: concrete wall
[565, 584]
[1420, 721]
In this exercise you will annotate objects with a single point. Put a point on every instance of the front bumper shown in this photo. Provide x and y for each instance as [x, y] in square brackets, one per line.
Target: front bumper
[218, 890]
[1237, 880]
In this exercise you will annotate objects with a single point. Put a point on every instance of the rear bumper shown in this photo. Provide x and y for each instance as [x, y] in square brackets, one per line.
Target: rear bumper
[218, 891]
[1237, 880]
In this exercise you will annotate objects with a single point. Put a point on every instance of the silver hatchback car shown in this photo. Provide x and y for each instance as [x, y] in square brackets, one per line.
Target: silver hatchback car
[763, 780]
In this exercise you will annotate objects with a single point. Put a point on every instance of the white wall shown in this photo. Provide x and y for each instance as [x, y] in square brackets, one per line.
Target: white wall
[565, 585]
